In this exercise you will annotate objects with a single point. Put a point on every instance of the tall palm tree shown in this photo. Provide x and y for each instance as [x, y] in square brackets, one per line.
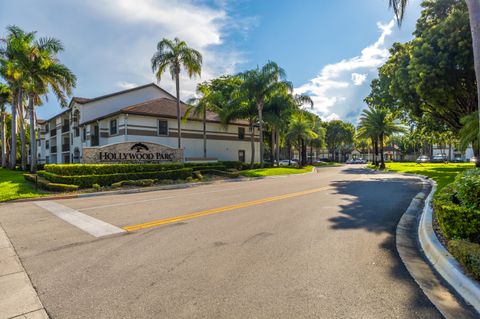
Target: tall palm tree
[378, 123]
[199, 107]
[260, 83]
[13, 54]
[399, 7]
[299, 130]
[43, 71]
[5, 97]
[175, 55]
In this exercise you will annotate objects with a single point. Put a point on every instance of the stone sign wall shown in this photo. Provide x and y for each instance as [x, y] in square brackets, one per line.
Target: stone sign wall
[131, 152]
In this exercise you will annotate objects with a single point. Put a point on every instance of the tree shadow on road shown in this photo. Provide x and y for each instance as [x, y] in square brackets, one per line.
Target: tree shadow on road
[376, 205]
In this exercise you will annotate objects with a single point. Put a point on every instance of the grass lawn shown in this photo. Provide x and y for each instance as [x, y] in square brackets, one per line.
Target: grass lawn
[442, 173]
[275, 171]
[13, 186]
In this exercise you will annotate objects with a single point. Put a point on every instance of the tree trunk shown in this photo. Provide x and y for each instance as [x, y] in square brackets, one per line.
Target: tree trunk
[177, 85]
[272, 146]
[277, 147]
[252, 143]
[23, 142]
[13, 147]
[300, 151]
[382, 161]
[311, 152]
[205, 132]
[260, 129]
[33, 142]
[474, 17]
[304, 152]
[3, 134]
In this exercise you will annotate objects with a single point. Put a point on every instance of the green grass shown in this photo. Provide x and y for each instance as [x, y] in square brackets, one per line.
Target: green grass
[13, 186]
[442, 173]
[260, 172]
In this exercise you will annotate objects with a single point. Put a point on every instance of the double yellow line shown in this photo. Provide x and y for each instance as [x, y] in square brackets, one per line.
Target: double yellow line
[222, 209]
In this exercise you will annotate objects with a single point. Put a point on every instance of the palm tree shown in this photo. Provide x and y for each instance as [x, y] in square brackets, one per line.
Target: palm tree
[299, 130]
[175, 55]
[200, 106]
[42, 71]
[13, 55]
[258, 84]
[5, 97]
[378, 123]
[469, 134]
[399, 7]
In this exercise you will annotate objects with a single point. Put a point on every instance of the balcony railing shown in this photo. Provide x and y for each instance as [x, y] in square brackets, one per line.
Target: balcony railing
[65, 147]
[53, 132]
[53, 149]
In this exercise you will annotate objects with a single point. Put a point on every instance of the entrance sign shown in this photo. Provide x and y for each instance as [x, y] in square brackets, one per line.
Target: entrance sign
[131, 152]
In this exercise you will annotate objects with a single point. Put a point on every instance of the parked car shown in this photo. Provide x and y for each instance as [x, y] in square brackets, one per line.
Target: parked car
[473, 159]
[356, 161]
[288, 162]
[439, 158]
[423, 159]
[458, 159]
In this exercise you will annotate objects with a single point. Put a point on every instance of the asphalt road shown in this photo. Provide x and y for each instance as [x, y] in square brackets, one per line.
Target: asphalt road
[318, 245]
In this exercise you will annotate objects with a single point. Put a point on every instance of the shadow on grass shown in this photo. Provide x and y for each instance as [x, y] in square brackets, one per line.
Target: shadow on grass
[376, 205]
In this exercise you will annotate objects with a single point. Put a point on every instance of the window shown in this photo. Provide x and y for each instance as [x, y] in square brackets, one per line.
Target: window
[47, 144]
[113, 127]
[47, 159]
[241, 155]
[84, 134]
[241, 133]
[162, 127]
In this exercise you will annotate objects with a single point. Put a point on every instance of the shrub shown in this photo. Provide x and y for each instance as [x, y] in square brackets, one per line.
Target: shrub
[108, 179]
[104, 169]
[220, 173]
[468, 254]
[467, 188]
[139, 182]
[233, 164]
[56, 187]
[456, 220]
[30, 177]
[96, 187]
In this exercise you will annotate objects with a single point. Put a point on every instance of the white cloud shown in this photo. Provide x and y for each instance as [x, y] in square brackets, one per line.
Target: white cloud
[358, 78]
[126, 85]
[331, 90]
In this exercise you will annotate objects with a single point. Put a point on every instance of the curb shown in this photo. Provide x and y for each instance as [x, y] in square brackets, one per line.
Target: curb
[151, 189]
[442, 260]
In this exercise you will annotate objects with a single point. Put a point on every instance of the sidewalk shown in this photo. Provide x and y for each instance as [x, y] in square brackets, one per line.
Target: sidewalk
[18, 299]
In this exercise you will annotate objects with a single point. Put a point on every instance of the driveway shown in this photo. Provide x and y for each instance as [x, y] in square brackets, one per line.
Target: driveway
[318, 245]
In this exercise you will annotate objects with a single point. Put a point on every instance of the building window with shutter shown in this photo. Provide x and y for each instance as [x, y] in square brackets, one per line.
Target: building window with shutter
[162, 127]
[113, 127]
[241, 155]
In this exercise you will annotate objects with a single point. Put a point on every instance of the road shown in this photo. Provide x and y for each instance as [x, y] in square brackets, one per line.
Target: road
[318, 245]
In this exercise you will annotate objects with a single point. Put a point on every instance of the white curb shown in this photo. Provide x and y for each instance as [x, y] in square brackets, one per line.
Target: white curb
[442, 260]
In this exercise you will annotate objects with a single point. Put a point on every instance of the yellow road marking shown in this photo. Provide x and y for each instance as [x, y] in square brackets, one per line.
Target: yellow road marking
[217, 210]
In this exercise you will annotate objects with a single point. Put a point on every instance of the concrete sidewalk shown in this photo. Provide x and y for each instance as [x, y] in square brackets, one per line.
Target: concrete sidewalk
[18, 299]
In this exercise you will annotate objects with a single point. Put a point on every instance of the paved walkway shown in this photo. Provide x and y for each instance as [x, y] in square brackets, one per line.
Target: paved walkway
[18, 299]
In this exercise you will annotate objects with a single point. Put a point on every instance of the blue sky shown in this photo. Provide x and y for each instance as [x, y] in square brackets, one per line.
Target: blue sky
[330, 49]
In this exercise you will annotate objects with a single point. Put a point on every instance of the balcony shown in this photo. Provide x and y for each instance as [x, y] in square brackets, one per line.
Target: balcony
[53, 149]
[65, 128]
[53, 132]
[65, 147]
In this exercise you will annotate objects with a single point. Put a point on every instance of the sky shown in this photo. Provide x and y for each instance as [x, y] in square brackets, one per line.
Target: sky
[330, 49]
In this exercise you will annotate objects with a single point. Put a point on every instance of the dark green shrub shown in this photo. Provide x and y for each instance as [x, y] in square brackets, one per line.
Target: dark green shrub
[467, 254]
[30, 177]
[108, 179]
[220, 173]
[96, 187]
[455, 220]
[140, 182]
[233, 164]
[467, 188]
[104, 169]
[61, 187]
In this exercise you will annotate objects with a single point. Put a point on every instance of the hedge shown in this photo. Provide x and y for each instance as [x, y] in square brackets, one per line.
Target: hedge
[44, 184]
[467, 188]
[468, 254]
[104, 169]
[85, 181]
[455, 220]
[140, 182]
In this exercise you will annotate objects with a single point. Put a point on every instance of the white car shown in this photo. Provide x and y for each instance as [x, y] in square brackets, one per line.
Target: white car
[288, 163]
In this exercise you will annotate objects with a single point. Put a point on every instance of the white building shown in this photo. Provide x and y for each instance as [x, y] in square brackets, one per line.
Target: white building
[142, 114]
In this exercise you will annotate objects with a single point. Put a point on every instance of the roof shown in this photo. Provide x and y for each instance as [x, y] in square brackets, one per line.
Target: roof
[80, 100]
[164, 107]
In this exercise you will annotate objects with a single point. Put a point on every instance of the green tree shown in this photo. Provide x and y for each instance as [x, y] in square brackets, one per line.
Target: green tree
[377, 123]
[469, 133]
[300, 130]
[5, 97]
[339, 137]
[258, 84]
[176, 55]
